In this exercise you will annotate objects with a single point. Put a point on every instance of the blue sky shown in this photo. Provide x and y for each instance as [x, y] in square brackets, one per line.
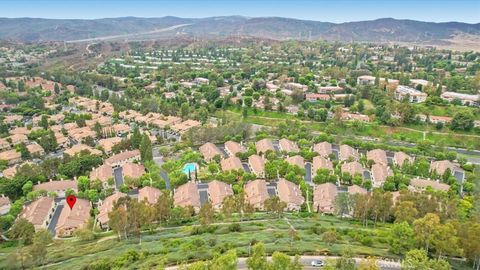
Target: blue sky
[320, 10]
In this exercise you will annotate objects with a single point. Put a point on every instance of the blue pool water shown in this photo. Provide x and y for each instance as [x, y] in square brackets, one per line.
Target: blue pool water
[189, 167]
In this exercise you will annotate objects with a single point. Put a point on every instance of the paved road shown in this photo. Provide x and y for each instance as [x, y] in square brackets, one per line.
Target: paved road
[54, 220]
[307, 260]
[118, 176]
[159, 161]
[308, 173]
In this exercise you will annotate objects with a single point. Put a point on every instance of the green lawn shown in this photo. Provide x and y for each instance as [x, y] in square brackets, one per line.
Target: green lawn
[177, 245]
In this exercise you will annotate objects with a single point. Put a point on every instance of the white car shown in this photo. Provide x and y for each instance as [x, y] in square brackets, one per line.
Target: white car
[318, 263]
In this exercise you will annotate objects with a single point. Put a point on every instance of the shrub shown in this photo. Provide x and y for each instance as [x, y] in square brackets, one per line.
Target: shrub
[234, 227]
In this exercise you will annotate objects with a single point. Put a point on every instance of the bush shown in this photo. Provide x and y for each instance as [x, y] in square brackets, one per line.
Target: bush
[197, 230]
[234, 227]
[366, 241]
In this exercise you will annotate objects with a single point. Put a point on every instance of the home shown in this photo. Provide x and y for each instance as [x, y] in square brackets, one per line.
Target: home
[296, 160]
[288, 146]
[256, 193]
[347, 116]
[264, 145]
[320, 162]
[413, 95]
[132, 170]
[5, 205]
[465, 99]
[324, 149]
[416, 82]
[108, 143]
[57, 187]
[312, 97]
[10, 119]
[329, 89]
[418, 184]
[399, 158]
[296, 86]
[257, 165]
[231, 163]
[39, 212]
[366, 80]
[352, 190]
[17, 138]
[441, 167]
[217, 191]
[12, 156]
[200, 80]
[232, 148]
[352, 168]
[4, 144]
[380, 172]
[291, 194]
[73, 219]
[347, 153]
[102, 173]
[123, 157]
[435, 119]
[148, 194]
[35, 149]
[378, 156]
[209, 151]
[106, 206]
[324, 198]
[77, 148]
[187, 195]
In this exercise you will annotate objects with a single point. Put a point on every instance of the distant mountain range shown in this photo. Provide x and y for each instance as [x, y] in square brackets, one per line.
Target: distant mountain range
[133, 28]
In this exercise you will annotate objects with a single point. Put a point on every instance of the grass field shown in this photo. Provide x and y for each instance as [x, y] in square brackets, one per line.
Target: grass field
[179, 244]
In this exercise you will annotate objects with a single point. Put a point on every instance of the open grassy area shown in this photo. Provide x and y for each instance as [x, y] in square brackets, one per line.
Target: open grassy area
[179, 244]
[413, 133]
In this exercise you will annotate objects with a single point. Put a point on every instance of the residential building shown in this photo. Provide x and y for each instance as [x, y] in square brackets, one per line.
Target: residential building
[187, 195]
[102, 173]
[148, 194]
[256, 193]
[132, 170]
[77, 148]
[35, 149]
[108, 143]
[347, 152]
[465, 99]
[288, 146]
[366, 80]
[352, 168]
[324, 198]
[257, 165]
[123, 157]
[324, 149]
[380, 172]
[73, 219]
[399, 158]
[231, 163]
[264, 145]
[352, 190]
[5, 205]
[291, 194]
[296, 160]
[379, 156]
[418, 184]
[217, 191]
[39, 212]
[57, 187]
[106, 206]
[209, 151]
[320, 163]
[232, 148]
[12, 156]
[413, 95]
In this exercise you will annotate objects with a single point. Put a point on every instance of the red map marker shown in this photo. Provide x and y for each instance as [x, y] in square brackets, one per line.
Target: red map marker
[71, 200]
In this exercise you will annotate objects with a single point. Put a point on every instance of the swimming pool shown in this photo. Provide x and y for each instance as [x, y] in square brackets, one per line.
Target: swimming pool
[189, 168]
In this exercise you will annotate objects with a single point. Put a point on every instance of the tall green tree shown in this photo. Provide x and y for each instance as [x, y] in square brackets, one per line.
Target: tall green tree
[146, 148]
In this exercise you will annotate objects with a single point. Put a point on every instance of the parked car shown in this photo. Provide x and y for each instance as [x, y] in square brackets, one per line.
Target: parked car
[318, 263]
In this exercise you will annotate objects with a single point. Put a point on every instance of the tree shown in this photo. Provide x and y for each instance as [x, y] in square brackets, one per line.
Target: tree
[463, 120]
[146, 148]
[206, 213]
[417, 259]
[345, 262]
[401, 238]
[136, 138]
[280, 261]
[229, 205]
[425, 229]
[368, 264]
[343, 205]
[44, 122]
[163, 208]
[275, 206]
[38, 250]
[258, 259]
[329, 237]
[445, 240]
[118, 221]
[227, 261]
[22, 148]
[405, 211]
[23, 231]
